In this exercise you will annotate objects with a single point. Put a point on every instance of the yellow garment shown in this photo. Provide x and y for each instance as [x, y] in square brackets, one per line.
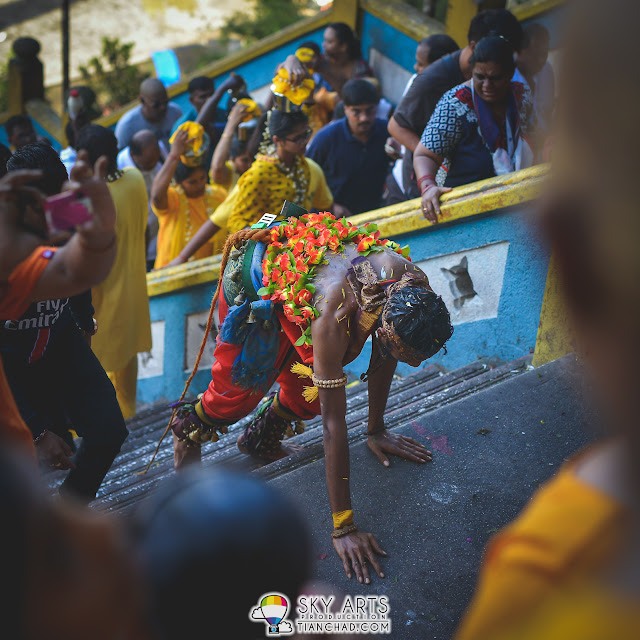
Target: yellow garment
[220, 217]
[264, 188]
[583, 612]
[180, 221]
[121, 302]
[566, 534]
[125, 383]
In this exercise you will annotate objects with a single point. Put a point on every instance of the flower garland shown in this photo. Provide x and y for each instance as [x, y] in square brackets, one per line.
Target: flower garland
[185, 205]
[296, 249]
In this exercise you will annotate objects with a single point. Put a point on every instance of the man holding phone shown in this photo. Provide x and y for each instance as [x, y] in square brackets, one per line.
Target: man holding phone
[55, 378]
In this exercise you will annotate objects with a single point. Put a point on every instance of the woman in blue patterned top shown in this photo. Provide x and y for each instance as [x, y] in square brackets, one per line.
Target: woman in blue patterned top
[478, 129]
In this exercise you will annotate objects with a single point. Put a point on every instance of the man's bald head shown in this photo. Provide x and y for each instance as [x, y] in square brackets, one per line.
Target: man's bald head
[144, 148]
[154, 100]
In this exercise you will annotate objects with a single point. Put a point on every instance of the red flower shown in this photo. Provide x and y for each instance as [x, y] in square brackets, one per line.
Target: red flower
[290, 277]
[301, 265]
[275, 275]
[302, 297]
[307, 312]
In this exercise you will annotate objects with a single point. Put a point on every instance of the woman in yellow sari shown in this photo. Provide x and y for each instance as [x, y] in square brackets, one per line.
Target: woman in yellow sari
[280, 172]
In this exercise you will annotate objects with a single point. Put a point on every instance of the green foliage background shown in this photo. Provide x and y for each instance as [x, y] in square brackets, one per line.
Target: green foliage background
[269, 17]
[114, 80]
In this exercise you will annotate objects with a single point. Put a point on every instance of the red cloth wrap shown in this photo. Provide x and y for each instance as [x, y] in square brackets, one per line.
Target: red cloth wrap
[224, 401]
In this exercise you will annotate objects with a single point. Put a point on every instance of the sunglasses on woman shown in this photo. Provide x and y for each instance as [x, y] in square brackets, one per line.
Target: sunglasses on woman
[305, 135]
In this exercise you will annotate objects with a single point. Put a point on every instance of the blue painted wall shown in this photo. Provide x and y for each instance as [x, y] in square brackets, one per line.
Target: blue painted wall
[173, 309]
[378, 35]
[512, 334]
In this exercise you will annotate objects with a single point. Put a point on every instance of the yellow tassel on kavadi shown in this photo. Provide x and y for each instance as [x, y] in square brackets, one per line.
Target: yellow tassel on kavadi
[310, 394]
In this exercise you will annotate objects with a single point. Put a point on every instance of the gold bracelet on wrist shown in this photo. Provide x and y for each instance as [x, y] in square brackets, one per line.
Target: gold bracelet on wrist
[345, 531]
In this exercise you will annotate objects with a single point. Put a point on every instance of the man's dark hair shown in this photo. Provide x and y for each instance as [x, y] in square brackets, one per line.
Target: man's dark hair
[345, 35]
[439, 44]
[41, 156]
[98, 141]
[533, 31]
[206, 524]
[282, 124]
[420, 318]
[17, 121]
[359, 91]
[5, 154]
[184, 171]
[238, 147]
[496, 22]
[494, 49]
[200, 83]
[310, 44]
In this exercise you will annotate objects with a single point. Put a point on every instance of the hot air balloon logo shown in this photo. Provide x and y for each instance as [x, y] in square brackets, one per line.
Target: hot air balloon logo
[272, 609]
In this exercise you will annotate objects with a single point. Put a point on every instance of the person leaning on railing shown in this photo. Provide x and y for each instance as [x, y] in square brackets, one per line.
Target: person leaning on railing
[478, 129]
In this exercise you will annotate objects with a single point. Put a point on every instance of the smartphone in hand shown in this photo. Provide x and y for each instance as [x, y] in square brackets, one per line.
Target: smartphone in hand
[67, 210]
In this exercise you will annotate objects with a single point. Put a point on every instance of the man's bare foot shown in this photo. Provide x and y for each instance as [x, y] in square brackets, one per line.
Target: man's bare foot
[286, 449]
[185, 455]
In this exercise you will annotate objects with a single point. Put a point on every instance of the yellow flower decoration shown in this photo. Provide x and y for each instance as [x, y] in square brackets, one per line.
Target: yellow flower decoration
[199, 142]
[253, 110]
[298, 94]
[305, 54]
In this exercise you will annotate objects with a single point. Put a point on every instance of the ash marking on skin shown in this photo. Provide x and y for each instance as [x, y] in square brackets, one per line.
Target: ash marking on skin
[436, 443]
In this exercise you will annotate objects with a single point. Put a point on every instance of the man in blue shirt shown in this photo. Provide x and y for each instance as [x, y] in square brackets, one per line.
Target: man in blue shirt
[351, 151]
[154, 112]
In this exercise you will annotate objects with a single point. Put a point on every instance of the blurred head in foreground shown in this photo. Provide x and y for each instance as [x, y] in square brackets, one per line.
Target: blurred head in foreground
[68, 570]
[211, 543]
[593, 217]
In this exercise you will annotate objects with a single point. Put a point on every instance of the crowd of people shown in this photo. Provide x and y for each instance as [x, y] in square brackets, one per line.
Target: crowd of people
[299, 298]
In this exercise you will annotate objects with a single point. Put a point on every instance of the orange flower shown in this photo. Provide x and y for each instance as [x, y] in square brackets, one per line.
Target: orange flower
[302, 297]
[366, 243]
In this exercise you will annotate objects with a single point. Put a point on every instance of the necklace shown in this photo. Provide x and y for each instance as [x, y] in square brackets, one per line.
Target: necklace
[297, 174]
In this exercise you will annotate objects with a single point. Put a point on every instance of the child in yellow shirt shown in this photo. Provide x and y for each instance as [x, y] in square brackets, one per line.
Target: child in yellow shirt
[184, 208]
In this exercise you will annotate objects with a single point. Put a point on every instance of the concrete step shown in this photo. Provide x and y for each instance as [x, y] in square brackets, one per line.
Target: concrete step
[412, 395]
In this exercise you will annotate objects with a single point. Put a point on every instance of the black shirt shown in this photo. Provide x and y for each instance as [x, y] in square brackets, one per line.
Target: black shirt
[419, 103]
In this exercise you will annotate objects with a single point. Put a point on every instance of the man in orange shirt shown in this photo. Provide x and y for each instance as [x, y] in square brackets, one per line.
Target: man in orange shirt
[30, 271]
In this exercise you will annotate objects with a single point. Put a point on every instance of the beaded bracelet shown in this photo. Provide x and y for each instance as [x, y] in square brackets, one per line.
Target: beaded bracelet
[336, 383]
[345, 531]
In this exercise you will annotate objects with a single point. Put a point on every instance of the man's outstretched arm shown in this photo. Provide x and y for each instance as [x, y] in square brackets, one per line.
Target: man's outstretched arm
[330, 343]
[379, 440]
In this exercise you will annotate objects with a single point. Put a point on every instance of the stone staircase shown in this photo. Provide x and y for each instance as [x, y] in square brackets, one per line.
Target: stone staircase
[417, 394]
